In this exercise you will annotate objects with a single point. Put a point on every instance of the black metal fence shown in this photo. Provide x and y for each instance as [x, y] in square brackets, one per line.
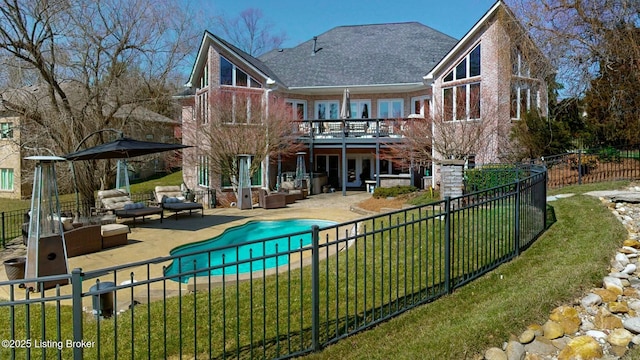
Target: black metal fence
[592, 166]
[11, 221]
[327, 283]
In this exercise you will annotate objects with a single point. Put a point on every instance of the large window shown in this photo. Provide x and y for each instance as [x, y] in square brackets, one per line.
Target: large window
[525, 91]
[461, 102]
[326, 110]
[6, 179]
[6, 130]
[468, 67]
[390, 108]
[231, 75]
[360, 109]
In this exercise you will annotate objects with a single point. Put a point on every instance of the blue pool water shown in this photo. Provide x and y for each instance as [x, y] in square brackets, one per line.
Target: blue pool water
[233, 250]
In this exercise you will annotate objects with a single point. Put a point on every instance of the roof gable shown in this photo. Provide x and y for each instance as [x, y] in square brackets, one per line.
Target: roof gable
[479, 27]
[242, 59]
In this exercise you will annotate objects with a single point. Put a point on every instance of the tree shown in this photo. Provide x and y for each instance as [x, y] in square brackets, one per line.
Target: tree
[613, 105]
[539, 136]
[575, 34]
[89, 60]
[241, 122]
[250, 32]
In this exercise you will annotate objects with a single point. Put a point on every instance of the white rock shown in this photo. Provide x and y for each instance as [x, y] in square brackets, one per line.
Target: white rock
[619, 275]
[622, 259]
[636, 339]
[630, 269]
[613, 284]
[632, 324]
[634, 304]
[590, 300]
[596, 334]
[630, 249]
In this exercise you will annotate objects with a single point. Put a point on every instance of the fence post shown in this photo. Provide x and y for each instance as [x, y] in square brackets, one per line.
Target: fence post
[315, 287]
[447, 244]
[579, 167]
[76, 296]
[3, 230]
[516, 230]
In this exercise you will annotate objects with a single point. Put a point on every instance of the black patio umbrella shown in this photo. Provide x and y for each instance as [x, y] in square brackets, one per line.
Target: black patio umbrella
[122, 148]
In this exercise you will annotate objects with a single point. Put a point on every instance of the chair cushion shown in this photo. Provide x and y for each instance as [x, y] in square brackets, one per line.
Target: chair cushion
[113, 229]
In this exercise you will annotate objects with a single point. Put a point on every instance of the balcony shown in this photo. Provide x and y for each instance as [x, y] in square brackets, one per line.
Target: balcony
[356, 131]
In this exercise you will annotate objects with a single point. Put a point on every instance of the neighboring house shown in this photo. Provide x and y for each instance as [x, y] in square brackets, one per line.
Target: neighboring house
[10, 159]
[15, 172]
[395, 73]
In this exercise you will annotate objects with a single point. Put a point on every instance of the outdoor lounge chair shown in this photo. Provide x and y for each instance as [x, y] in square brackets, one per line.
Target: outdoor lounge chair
[273, 200]
[170, 198]
[119, 202]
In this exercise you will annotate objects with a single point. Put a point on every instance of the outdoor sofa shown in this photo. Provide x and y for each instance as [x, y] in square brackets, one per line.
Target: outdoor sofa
[171, 198]
[119, 202]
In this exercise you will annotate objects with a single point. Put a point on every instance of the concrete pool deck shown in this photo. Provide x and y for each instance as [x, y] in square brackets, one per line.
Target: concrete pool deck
[153, 239]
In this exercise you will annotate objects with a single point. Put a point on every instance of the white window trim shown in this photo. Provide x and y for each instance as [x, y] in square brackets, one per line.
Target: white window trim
[328, 103]
[467, 101]
[422, 99]
[360, 103]
[294, 103]
[234, 68]
[7, 171]
[390, 101]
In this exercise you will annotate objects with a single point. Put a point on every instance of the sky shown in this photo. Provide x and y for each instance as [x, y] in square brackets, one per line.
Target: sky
[302, 20]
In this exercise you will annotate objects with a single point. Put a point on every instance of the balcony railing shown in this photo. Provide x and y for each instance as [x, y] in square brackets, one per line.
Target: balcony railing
[352, 128]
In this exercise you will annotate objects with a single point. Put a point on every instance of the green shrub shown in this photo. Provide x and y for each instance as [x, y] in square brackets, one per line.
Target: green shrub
[491, 176]
[384, 192]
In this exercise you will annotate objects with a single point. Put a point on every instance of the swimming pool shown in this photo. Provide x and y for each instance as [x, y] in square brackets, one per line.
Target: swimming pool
[239, 243]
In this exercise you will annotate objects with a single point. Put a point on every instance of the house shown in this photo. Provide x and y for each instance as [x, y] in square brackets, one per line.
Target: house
[15, 172]
[396, 73]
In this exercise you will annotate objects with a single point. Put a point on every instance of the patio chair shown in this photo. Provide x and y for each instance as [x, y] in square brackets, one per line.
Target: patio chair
[170, 198]
[118, 202]
[271, 200]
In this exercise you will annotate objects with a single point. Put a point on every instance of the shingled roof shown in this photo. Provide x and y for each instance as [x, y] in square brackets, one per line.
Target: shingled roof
[379, 54]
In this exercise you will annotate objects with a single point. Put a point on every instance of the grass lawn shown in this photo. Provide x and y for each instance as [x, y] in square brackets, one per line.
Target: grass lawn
[555, 270]
[558, 268]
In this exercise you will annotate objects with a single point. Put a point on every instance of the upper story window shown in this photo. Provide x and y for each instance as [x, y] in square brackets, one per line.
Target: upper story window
[6, 179]
[360, 109]
[468, 67]
[421, 106]
[231, 75]
[390, 108]
[6, 130]
[327, 110]
[298, 109]
[519, 66]
[461, 102]
[204, 80]
[525, 91]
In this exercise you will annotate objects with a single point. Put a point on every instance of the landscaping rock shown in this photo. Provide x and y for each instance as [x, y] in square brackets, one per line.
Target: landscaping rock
[582, 347]
[593, 328]
[495, 354]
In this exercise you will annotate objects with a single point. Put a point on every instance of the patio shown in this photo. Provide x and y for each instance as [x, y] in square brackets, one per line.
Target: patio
[153, 239]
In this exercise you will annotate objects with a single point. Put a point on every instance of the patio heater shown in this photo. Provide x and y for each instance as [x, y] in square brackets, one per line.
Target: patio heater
[122, 176]
[244, 183]
[46, 249]
[301, 169]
